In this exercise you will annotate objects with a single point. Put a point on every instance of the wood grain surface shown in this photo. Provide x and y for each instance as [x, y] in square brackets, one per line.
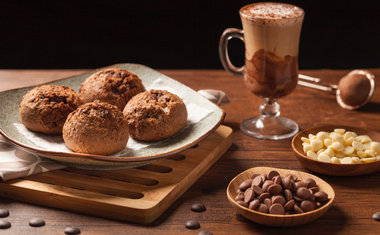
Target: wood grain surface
[357, 197]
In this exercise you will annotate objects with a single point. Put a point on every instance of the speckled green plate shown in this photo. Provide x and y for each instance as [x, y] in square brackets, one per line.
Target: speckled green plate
[197, 128]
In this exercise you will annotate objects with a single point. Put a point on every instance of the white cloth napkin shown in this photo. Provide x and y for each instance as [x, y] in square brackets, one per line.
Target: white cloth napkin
[16, 163]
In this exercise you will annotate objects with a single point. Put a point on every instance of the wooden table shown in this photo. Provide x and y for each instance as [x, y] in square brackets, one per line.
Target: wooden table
[357, 198]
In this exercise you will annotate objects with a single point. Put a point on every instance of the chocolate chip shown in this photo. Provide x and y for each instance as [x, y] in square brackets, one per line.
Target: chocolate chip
[314, 189]
[258, 180]
[288, 194]
[321, 196]
[257, 190]
[307, 205]
[277, 180]
[297, 209]
[4, 213]
[277, 209]
[300, 184]
[72, 230]
[272, 174]
[239, 197]
[4, 224]
[248, 195]
[278, 199]
[198, 207]
[303, 193]
[263, 196]
[36, 222]
[289, 205]
[310, 182]
[245, 184]
[262, 208]
[267, 202]
[242, 203]
[275, 189]
[376, 216]
[192, 224]
[287, 182]
[254, 204]
[266, 184]
[205, 233]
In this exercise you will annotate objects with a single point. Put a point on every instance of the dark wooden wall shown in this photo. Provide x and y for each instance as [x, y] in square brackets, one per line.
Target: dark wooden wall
[173, 34]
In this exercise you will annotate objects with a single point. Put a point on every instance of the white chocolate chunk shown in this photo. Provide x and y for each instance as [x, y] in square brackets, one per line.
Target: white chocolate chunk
[349, 140]
[346, 160]
[378, 158]
[348, 150]
[368, 159]
[358, 146]
[329, 152]
[336, 137]
[306, 147]
[366, 139]
[324, 157]
[369, 153]
[320, 151]
[375, 147]
[327, 142]
[311, 136]
[335, 160]
[304, 139]
[312, 155]
[337, 146]
[316, 144]
[361, 154]
[340, 155]
[339, 131]
[355, 160]
[367, 146]
[322, 135]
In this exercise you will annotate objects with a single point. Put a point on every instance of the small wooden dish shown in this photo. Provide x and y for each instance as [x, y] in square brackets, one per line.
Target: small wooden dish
[278, 220]
[334, 168]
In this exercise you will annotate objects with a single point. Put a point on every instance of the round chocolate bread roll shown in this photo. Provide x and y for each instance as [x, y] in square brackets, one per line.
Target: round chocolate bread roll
[155, 115]
[45, 108]
[114, 86]
[96, 128]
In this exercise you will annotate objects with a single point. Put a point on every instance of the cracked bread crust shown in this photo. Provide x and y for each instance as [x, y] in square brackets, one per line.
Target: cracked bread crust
[45, 108]
[114, 86]
[155, 115]
[96, 128]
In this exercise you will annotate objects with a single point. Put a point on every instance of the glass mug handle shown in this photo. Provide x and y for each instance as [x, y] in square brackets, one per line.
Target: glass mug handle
[223, 50]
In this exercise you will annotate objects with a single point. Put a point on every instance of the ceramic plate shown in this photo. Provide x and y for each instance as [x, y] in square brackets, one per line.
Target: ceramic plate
[204, 118]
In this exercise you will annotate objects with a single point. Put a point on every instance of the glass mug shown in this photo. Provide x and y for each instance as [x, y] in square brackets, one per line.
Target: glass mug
[271, 33]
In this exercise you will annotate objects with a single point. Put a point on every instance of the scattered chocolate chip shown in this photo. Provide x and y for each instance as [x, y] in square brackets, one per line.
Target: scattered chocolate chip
[266, 184]
[314, 189]
[198, 207]
[263, 196]
[4, 213]
[277, 180]
[288, 194]
[36, 222]
[205, 233]
[239, 197]
[4, 224]
[242, 203]
[297, 209]
[278, 199]
[376, 216]
[289, 205]
[192, 224]
[258, 180]
[300, 184]
[72, 230]
[257, 190]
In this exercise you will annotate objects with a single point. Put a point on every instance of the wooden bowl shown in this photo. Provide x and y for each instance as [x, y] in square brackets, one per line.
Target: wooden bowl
[334, 168]
[278, 220]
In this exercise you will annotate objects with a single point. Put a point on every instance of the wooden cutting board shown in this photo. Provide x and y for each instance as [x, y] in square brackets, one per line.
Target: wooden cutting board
[138, 195]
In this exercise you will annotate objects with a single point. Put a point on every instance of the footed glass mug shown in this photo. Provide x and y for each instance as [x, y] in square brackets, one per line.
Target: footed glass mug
[271, 33]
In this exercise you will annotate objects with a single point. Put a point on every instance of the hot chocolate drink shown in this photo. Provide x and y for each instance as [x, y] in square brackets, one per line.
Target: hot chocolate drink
[271, 35]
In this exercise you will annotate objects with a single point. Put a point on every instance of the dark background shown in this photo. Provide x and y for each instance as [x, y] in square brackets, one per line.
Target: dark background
[173, 34]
